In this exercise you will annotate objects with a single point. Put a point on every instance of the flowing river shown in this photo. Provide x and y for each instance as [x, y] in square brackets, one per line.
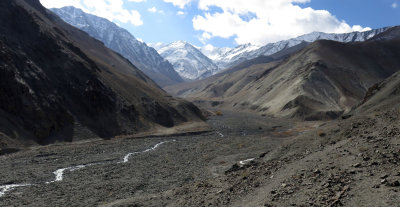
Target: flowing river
[59, 173]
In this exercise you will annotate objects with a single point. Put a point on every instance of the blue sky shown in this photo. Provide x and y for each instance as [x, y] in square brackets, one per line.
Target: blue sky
[371, 13]
[227, 23]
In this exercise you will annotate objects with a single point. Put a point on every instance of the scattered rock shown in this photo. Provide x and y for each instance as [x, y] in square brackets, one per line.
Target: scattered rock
[234, 168]
[263, 154]
[393, 184]
[376, 186]
[384, 176]
[346, 116]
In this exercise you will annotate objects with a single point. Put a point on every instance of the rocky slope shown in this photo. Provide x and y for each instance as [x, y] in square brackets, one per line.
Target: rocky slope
[58, 83]
[120, 40]
[348, 162]
[259, 161]
[321, 81]
[351, 162]
[188, 61]
[386, 94]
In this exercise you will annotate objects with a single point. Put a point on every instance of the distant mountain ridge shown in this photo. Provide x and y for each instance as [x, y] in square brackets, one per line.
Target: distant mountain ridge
[120, 40]
[188, 61]
[185, 60]
[228, 58]
[321, 81]
[223, 58]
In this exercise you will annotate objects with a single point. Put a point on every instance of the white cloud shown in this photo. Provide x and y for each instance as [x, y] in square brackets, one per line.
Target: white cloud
[394, 5]
[204, 37]
[155, 10]
[157, 45]
[180, 3]
[113, 10]
[152, 9]
[137, 1]
[180, 13]
[358, 28]
[263, 21]
[109, 9]
[208, 47]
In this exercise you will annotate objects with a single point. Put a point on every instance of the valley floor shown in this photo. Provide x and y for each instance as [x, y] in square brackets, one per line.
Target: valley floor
[352, 162]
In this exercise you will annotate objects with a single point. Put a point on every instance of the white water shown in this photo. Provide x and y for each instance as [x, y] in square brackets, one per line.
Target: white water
[126, 158]
[243, 162]
[59, 173]
[5, 188]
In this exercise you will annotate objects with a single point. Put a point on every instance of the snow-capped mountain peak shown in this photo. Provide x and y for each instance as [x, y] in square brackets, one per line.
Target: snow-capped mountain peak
[188, 61]
[120, 40]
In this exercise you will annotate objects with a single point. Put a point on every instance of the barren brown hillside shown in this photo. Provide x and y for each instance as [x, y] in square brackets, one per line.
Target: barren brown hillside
[323, 80]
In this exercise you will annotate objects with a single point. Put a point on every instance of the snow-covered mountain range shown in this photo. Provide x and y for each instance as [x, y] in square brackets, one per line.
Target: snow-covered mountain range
[187, 60]
[180, 59]
[228, 58]
[120, 40]
[178, 53]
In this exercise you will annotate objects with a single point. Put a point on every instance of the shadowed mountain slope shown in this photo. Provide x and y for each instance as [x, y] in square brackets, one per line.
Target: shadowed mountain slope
[58, 83]
[382, 96]
[386, 94]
